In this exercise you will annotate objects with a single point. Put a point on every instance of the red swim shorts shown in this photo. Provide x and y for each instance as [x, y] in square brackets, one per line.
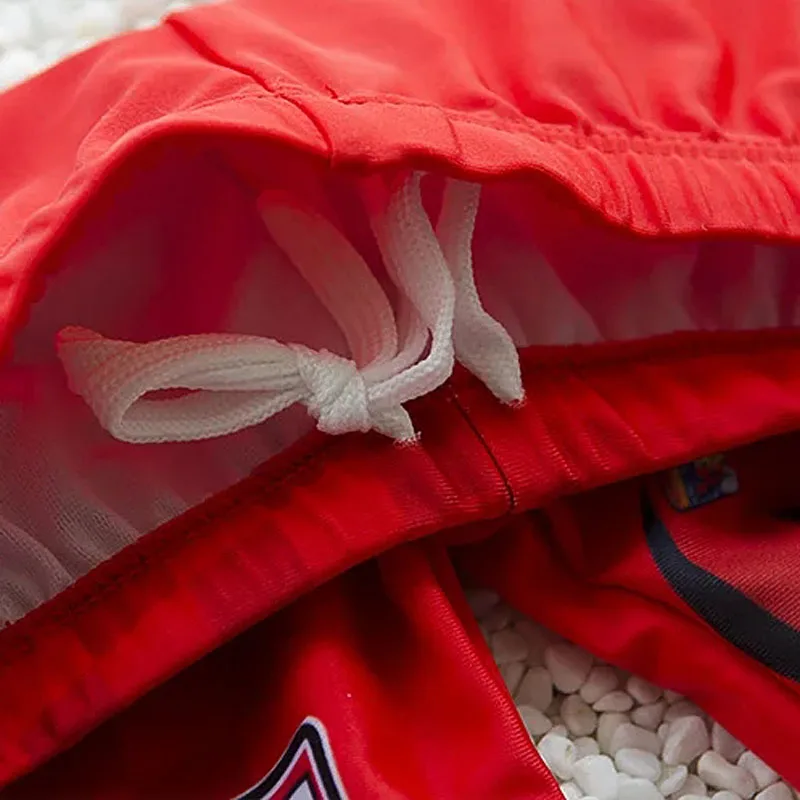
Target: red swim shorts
[314, 312]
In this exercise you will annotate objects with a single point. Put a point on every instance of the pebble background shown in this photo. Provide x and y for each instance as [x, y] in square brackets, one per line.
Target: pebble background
[609, 735]
[605, 735]
[34, 34]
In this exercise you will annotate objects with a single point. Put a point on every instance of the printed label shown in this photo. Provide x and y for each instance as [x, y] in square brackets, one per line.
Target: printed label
[305, 771]
[700, 482]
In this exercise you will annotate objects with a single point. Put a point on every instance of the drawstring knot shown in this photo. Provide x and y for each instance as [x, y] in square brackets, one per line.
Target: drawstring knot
[197, 387]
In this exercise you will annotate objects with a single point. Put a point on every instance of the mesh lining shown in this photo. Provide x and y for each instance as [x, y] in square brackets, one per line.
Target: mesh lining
[200, 260]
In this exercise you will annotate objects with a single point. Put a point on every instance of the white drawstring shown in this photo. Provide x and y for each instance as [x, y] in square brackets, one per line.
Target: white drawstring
[230, 382]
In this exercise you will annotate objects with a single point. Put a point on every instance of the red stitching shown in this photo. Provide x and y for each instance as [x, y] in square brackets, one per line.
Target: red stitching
[62, 608]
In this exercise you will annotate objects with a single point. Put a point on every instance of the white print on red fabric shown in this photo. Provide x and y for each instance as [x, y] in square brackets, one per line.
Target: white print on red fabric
[305, 771]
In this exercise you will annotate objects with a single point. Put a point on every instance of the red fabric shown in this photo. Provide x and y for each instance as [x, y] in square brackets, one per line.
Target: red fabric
[693, 135]
[192, 585]
[663, 117]
[582, 566]
[399, 676]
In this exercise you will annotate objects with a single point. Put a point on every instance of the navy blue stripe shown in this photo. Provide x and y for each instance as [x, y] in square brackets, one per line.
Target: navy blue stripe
[728, 611]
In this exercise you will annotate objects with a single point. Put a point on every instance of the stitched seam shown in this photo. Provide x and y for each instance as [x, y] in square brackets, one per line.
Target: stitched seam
[689, 145]
[191, 525]
[483, 442]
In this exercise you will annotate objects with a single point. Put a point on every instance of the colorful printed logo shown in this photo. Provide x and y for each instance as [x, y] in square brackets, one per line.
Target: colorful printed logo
[700, 482]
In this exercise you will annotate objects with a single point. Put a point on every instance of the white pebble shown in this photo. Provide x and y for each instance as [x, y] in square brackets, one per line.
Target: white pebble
[642, 691]
[686, 740]
[16, 28]
[558, 753]
[672, 779]
[497, 619]
[559, 730]
[638, 789]
[554, 709]
[649, 716]
[481, 601]
[693, 797]
[692, 787]
[672, 697]
[16, 65]
[606, 728]
[632, 736]
[508, 646]
[717, 772]
[596, 776]
[95, 19]
[578, 716]
[586, 746]
[571, 791]
[512, 675]
[614, 701]
[725, 795]
[536, 689]
[602, 680]
[568, 665]
[683, 708]
[727, 745]
[778, 791]
[638, 763]
[536, 723]
[536, 638]
[763, 774]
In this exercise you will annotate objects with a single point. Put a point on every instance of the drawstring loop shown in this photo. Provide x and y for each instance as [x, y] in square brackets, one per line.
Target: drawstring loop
[217, 384]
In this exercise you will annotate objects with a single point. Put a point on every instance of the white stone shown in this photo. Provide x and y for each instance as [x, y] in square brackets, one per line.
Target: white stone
[536, 689]
[558, 753]
[602, 680]
[649, 716]
[16, 65]
[693, 796]
[571, 791]
[560, 730]
[717, 772]
[554, 709]
[497, 618]
[638, 789]
[481, 601]
[536, 723]
[638, 763]
[628, 735]
[683, 708]
[578, 716]
[607, 725]
[642, 691]
[568, 666]
[596, 776]
[672, 779]
[586, 746]
[686, 740]
[672, 697]
[663, 731]
[727, 745]
[763, 774]
[725, 795]
[512, 675]
[692, 787]
[536, 638]
[508, 646]
[778, 791]
[614, 701]
[16, 25]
